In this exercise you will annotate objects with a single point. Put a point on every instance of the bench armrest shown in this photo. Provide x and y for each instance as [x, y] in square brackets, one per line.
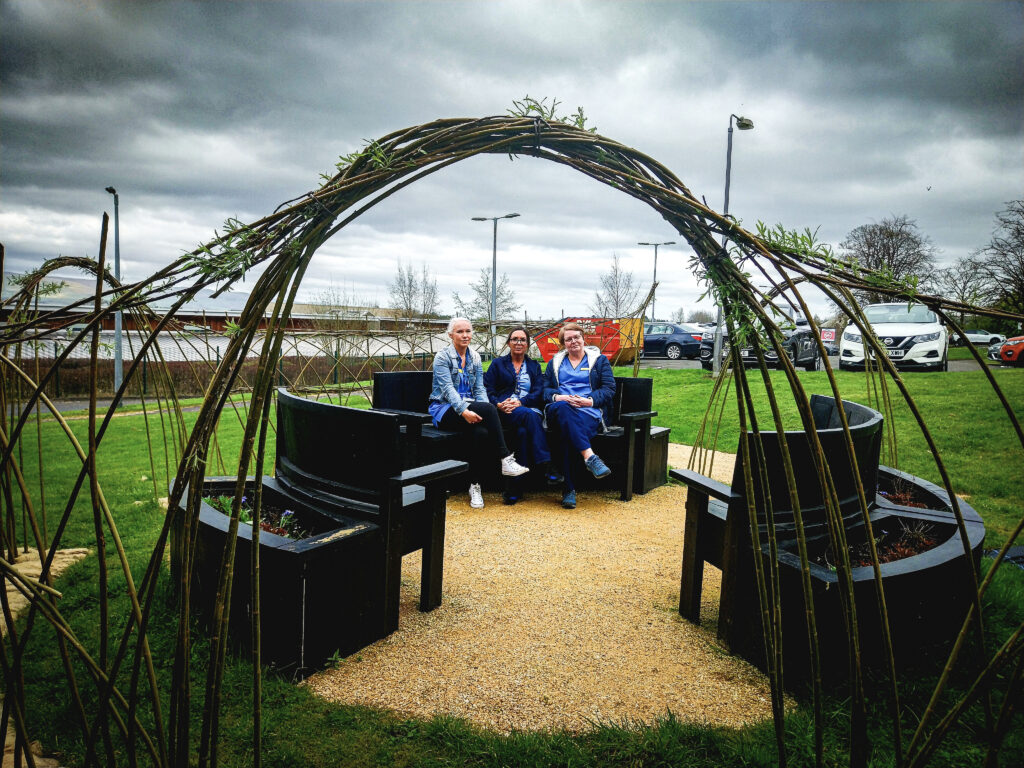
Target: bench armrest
[430, 472]
[712, 488]
[408, 417]
[637, 415]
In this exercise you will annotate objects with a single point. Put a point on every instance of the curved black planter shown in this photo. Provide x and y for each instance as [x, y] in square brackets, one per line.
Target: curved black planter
[927, 595]
[320, 596]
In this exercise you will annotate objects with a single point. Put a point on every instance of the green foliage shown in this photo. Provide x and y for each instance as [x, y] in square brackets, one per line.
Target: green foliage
[539, 108]
[230, 256]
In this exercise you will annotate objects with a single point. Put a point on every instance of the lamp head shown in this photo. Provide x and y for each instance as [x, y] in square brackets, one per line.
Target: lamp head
[510, 215]
[111, 190]
[480, 218]
[744, 123]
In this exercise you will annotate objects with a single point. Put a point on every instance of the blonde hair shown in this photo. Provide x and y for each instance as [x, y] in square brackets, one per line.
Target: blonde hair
[568, 327]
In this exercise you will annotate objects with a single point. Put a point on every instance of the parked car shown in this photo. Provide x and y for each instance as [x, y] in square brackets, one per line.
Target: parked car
[1011, 351]
[978, 336]
[798, 342]
[911, 334]
[673, 340]
[994, 349]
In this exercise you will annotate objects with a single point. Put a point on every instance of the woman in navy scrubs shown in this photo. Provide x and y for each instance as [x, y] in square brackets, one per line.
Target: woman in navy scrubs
[579, 387]
[458, 403]
[515, 384]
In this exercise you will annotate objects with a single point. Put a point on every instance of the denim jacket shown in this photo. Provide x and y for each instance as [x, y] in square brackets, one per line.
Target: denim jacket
[445, 387]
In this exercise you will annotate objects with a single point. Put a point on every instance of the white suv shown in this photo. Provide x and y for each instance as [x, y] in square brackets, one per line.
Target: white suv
[910, 333]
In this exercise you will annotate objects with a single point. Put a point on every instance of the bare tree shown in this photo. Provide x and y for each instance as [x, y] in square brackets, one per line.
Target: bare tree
[700, 316]
[1000, 264]
[338, 306]
[961, 281]
[404, 290]
[892, 247]
[429, 299]
[619, 293]
[479, 306]
[679, 315]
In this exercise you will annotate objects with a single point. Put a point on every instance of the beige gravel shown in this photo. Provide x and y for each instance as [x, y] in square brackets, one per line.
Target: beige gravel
[554, 619]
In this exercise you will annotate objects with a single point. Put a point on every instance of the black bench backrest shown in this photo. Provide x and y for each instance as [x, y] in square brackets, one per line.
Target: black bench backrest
[632, 396]
[866, 433]
[344, 451]
[410, 391]
[402, 390]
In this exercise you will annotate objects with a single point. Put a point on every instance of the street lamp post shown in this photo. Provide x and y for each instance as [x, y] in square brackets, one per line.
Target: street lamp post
[494, 275]
[118, 361]
[667, 242]
[744, 124]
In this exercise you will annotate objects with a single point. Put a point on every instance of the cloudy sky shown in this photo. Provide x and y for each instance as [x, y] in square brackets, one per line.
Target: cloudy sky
[197, 112]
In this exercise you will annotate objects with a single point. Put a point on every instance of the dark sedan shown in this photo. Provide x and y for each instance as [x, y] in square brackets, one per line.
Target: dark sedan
[672, 340]
[798, 342]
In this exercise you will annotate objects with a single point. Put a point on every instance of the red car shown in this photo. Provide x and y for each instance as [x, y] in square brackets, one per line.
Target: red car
[1012, 351]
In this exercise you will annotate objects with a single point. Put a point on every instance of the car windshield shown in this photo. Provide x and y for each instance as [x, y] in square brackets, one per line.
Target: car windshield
[899, 313]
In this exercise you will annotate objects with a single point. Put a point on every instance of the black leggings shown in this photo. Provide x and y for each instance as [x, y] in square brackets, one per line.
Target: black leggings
[485, 435]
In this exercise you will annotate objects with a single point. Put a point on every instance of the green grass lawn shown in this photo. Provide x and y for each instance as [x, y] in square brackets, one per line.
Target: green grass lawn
[300, 729]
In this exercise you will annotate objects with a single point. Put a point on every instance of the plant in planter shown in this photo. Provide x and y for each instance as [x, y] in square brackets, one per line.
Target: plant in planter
[273, 518]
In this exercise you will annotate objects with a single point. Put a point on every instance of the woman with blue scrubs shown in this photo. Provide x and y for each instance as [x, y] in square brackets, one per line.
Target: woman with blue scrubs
[458, 403]
[579, 387]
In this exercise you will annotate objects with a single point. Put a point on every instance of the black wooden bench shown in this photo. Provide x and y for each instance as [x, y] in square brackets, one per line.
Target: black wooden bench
[343, 457]
[636, 451]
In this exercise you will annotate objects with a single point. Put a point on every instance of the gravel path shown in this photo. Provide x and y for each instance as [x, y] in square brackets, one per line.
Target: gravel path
[554, 619]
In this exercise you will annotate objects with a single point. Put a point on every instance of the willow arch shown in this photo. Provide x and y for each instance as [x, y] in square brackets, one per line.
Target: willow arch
[285, 241]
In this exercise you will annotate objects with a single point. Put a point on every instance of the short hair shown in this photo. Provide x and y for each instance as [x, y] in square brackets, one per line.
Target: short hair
[454, 320]
[508, 339]
[568, 327]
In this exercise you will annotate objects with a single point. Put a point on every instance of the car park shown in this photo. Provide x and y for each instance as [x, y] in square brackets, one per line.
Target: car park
[978, 336]
[798, 342]
[911, 334]
[1011, 351]
[673, 340]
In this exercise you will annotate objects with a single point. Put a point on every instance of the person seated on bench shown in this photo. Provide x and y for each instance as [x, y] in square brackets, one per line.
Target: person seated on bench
[458, 403]
[579, 387]
[515, 384]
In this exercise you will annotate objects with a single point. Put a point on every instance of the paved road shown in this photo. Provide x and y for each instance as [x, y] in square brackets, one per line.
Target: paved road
[663, 363]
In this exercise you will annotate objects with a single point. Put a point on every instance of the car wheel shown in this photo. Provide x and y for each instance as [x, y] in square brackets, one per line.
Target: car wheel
[673, 351]
[815, 364]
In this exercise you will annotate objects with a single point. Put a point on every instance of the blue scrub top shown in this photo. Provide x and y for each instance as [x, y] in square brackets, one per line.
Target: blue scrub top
[576, 381]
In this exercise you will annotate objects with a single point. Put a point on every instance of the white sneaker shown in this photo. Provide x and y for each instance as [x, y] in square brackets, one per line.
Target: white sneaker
[476, 498]
[512, 468]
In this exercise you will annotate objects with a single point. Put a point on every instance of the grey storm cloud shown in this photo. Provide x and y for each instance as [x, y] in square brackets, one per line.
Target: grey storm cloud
[200, 111]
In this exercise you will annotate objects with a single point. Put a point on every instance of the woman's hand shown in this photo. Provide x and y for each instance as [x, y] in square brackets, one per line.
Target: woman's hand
[471, 417]
[508, 405]
[576, 401]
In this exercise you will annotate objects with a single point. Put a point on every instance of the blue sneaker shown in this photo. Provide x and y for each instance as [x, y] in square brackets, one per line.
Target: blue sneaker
[569, 500]
[597, 467]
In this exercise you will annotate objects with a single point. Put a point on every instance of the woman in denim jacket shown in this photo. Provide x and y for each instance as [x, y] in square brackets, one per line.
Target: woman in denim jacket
[458, 403]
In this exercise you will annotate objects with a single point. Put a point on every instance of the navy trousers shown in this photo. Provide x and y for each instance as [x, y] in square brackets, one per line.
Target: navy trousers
[575, 431]
[530, 440]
